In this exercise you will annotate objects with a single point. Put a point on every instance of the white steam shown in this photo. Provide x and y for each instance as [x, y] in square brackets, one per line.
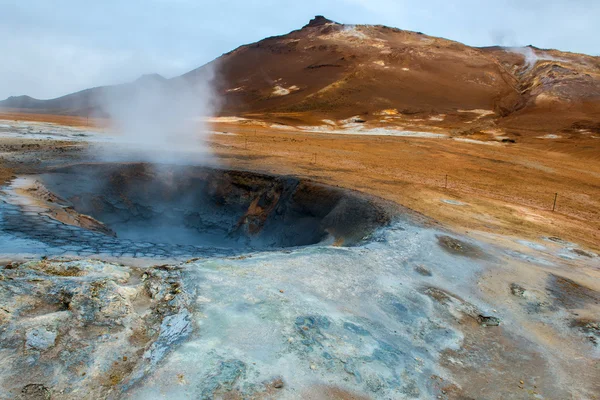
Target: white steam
[531, 57]
[160, 121]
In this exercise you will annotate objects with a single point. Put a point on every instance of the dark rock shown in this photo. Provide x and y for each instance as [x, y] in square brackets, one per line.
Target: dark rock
[438, 295]
[539, 307]
[458, 247]
[517, 290]
[570, 294]
[556, 239]
[590, 328]
[485, 320]
[318, 20]
[35, 391]
[582, 253]
[421, 270]
[278, 383]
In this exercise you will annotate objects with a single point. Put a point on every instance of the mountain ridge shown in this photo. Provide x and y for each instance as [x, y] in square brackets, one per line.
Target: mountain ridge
[331, 70]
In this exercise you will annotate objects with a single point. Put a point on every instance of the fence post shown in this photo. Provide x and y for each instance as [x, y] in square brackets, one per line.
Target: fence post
[446, 184]
[554, 206]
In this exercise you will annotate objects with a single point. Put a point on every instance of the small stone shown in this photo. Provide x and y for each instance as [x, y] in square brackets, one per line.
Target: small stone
[278, 383]
[280, 290]
[313, 367]
[35, 391]
[421, 270]
[521, 382]
[517, 290]
[486, 320]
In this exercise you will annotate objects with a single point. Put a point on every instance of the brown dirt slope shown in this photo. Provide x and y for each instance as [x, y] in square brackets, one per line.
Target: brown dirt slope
[342, 70]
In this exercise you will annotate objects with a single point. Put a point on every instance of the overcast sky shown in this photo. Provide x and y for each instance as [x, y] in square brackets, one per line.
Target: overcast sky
[53, 47]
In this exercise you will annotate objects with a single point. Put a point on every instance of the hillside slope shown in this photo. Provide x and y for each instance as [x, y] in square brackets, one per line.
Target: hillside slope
[328, 70]
[332, 68]
[88, 102]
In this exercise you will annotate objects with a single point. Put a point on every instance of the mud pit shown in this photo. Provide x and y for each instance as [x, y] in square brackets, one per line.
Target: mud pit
[143, 210]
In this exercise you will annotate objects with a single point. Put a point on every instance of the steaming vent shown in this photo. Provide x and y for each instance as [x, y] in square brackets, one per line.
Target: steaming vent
[215, 208]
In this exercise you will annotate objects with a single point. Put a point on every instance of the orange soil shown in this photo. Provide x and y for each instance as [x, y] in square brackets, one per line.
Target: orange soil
[56, 119]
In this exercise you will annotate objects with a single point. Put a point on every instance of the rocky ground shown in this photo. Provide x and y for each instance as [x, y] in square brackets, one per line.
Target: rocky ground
[80, 329]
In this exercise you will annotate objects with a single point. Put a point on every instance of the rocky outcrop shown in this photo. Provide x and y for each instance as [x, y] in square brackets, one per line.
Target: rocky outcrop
[319, 20]
[86, 329]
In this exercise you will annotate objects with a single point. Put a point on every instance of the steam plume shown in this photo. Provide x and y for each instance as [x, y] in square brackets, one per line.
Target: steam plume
[160, 121]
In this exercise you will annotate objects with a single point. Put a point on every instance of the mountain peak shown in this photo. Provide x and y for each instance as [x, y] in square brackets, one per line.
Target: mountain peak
[23, 101]
[22, 97]
[151, 78]
[319, 20]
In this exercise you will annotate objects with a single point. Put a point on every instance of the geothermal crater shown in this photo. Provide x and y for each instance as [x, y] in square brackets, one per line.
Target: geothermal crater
[199, 207]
